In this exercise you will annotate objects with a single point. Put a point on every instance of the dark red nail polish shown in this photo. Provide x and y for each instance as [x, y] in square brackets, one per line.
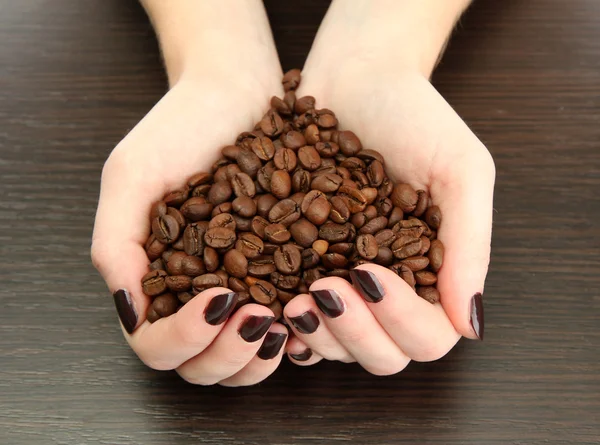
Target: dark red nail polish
[367, 285]
[303, 356]
[477, 315]
[305, 323]
[329, 302]
[255, 327]
[271, 346]
[125, 309]
[219, 308]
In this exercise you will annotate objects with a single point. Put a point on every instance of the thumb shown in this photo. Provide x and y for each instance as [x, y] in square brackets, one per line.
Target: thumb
[463, 189]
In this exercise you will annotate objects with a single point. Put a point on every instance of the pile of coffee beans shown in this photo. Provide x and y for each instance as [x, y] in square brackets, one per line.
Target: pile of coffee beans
[290, 202]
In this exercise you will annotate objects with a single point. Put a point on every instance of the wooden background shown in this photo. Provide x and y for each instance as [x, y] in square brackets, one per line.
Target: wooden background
[75, 76]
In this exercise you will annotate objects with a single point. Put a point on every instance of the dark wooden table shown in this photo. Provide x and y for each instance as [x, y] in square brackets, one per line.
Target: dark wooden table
[76, 75]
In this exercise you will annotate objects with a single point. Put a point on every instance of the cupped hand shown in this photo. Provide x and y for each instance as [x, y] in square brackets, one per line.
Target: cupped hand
[180, 136]
[380, 321]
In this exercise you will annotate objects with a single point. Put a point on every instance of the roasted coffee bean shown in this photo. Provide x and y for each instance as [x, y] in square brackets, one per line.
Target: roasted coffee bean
[201, 190]
[293, 139]
[192, 266]
[349, 143]
[264, 204]
[237, 285]
[154, 248]
[360, 178]
[311, 134]
[235, 264]
[370, 212]
[173, 212]
[224, 207]
[263, 148]
[221, 162]
[366, 246]
[219, 192]
[166, 256]
[243, 224]
[258, 226]
[178, 283]
[405, 273]
[345, 249]
[433, 217]
[436, 255]
[339, 213]
[281, 184]
[286, 282]
[429, 293]
[405, 197]
[231, 152]
[263, 176]
[374, 225]
[287, 259]
[304, 104]
[370, 194]
[425, 278]
[285, 212]
[219, 237]
[416, 263]
[165, 305]
[386, 188]
[425, 245]
[185, 297]
[385, 237]
[153, 283]
[277, 309]
[263, 292]
[327, 183]
[206, 281]
[310, 258]
[353, 198]
[311, 275]
[316, 207]
[211, 259]
[176, 198]
[242, 298]
[349, 183]
[334, 261]
[327, 149]
[270, 248]
[352, 232]
[165, 228]
[244, 206]
[326, 119]
[409, 227]
[224, 276]
[261, 266]
[277, 233]
[395, 216]
[384, 257]
[271, 124]
[301, 181]
[370, 156]
[175, 263]
[224, 220]
[280, 106]
[285, 159]
[334, 233]
[178, 244]
[375, 173]
[291, 79]
[343, 172]
[422, 203]
[298, 198]
[304, 232]
[384, 206]
[200, 179]
[251, 246]
[290, 99]
[341, 273]
[406, 246]
[353, 163]
[158, 209]
[248, 162]
[320, 246]
[309, 158]
[306, 119]
[243, 185]
[157, 264]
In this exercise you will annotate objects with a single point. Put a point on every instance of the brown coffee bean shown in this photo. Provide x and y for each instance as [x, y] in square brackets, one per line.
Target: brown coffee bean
[153, 283]
[409, 227]
[242, 224]
[385, 237]
[384, 206]
[290, 99]
[165, 305]
[311, 134]
[353, 163]
[251, 246]
[263, 292]
[263, 148]
[157, 264]
[261, 266]
[405, 197]
[374, 225]
[271, 124]
[395, 216]
[248, 163]
[291, 79]
[176, 197]
[327, 149]
[235, 264]
[178, 244]
[346, 249]
[384, 257]
[224, 276]
[174, 263]
[429, 293]
[436, 255]
[285, 212]
[280, 106]
[311, 275]
[327, 183]
[154, 248]
[258, 226]
[326, 119]
[370, 212]
[288, 259]
[304, 104]
[219, 192]
[211, 259]
[224, 220]
[243, 185]
[206, 281]
[193, 238]
[277, 233]
[339, 213]
[285, 159]
[221, 162]
[244, 206]
[316, 207]
[277, 309]
[406, 246]
[178, 283]
[334, 261]
[301, 181]
[224, 207]
[199, 179]
[349, 183]
[201, 190]
[165, 228]
[158, 209]
[304, 232]
[173, 212]
[192, 266]
[167, 254]
[405, 273]
[366, 246]
[370, 155]
[320, 246]
[219, 237]
[349, 143]
[310, 258]
[270, 248]
[231, 152]
[422, 203]
[416, 263]
[334, 233]
[425, 278]
[281, 184]
[386, 188]
[185, 297]
[375, 173]
[309, 158]
[264, 204]
[360, 178]
[285, 282]
[433, 217]
[353, 198]
[263, 177]
[425, 245]
[293, 139]
[237, 285]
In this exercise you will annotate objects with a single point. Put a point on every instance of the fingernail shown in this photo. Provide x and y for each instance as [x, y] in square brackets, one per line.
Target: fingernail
[125, 309]
[367, 285]
[477, 315]
[271, 346]
[305, 323]
[219, 308]
[329, 302]
[255, 327]
[303, 356]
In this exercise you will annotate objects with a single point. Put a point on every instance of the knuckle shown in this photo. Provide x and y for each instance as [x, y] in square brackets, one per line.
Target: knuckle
[155, 362]
[432, 352]
[198, 379]
[386, 367]
[99, 255]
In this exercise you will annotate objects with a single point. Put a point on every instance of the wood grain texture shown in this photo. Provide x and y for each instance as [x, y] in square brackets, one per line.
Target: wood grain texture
[525, 75]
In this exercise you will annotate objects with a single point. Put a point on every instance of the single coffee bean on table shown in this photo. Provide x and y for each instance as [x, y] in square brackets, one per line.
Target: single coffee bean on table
[290, 202]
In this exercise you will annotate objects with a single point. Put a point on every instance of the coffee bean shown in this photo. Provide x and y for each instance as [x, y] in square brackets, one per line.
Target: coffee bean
[242, 224]
[422, 203]
[429, 293]
[353, 198]
[334, 233]
[263, 148]
[316, 207]
[264, 204]
[304, 232]
[178, 283]
[277, 233]
[309, 158]
[311, 275]
[327, 149]
[370, 156]
[433, 217]
[311, 134]
[235, 264]
[261, 266]
[248, 163]
[406, 246]
[219, 192]
[436, 255]
[165, 228]
[230, 152]
[291, 79]
[375, 173]
[425, 245]
[409, 227]
[298, 198]
[184, 297]
[326, 119]
[178, 244]
[349, 143]
[243, 185]
[258, 226]
[221, 162]
[224, 220]
[349, 183]
[334, 261]
[386, 188]
[395, 216]
[251, 246]
[384, 206]
[237, 285]
[174, 262]
[158, 209]
[327, 183]
[288, 259]
[384, 257]
[192, 266]
[219, 237]
[366, 246]
[310, 258]
[353, 164]
[339, 213]
[405, 197]
[263, 292]
[374, 225]
[405, 273]
[157, 264]
[293, 139]
[425, 278]
[165, 305]
[285, 282]
[290, 99]
[244, 206]
[345, 249]
[211, 259]
[199, 179]
[301, 181]
[416, 263]
[193, 238]
[263, 177]
[320, 246]
[201, 190]
[271, 124]
[285, 159]
[285, 212]
[281, 184]
[154, 248]
[224, 207]
[304, 104]
[176, 198]
[206, 281]
[153, 283]
[385, 237]
[270, 248]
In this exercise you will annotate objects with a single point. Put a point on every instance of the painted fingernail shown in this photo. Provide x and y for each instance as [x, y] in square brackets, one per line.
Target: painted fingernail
[255, 327]
[477, 315]
[125, 309]
[329, 302]
[219, 308]
[303, 356]
[305, 323]
[367, 285]
[271, 346]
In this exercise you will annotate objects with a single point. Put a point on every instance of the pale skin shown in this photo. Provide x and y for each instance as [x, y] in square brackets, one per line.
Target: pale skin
[370, 63]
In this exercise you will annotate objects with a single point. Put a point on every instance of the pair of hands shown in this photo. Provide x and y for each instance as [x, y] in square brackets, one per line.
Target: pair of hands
[397, 112]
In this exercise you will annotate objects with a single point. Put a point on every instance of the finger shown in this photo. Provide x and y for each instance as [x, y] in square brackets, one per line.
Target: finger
[463, 190]
[266, 360]
[171, 341]
[301, 354]
[238, 342]
[422, 330]
[353, 324]
[307, 322]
